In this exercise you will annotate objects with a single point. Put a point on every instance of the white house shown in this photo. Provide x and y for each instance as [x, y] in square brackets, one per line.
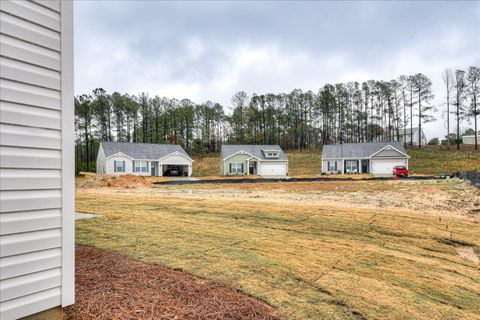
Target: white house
[377, 158]
[406, 134]
[470, 139]
[264, 160]
[143, 159]
[36, 157]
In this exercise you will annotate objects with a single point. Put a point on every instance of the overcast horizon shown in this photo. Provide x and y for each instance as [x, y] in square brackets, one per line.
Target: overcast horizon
[211, 50]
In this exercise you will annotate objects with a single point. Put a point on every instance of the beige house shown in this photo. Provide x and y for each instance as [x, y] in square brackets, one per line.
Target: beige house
[264, 160]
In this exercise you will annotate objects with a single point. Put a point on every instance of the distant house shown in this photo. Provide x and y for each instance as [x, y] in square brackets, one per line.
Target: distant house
[375, 157]
[143, 159]
[264, 160]
[470, 139]
[408, 136]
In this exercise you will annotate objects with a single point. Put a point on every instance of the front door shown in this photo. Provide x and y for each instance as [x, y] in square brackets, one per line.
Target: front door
[153, 169]
[365, 165]
[252, 168]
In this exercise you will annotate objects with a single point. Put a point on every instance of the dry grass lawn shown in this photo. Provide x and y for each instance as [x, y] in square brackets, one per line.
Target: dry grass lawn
[307, 258]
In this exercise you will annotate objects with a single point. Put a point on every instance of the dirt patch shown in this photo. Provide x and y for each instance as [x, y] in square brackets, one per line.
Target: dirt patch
[120, 181]
[112, 286]
[468, 253]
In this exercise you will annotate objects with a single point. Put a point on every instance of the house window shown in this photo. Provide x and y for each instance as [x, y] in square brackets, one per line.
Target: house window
[332, 166]
[271, 154]
[118, 166]
[351, 166]
[140, 166]
[236, 168]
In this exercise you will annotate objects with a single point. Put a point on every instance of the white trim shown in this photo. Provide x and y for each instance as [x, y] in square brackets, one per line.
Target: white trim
[241, 152]
[388, 147]
[68, 152]
[121, 154]
[176, 153]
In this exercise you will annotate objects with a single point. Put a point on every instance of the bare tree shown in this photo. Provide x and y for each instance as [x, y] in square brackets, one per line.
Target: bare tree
[473, 79]
[448, 79]
[460, 97]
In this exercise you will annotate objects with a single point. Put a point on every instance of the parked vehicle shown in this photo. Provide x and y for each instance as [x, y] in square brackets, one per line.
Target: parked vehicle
[400, 171]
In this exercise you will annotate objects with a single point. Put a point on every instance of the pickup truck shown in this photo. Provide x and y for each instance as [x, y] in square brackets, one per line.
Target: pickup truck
[400, 171]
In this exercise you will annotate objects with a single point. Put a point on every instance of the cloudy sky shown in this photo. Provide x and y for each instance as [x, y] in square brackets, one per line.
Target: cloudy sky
[210, 50]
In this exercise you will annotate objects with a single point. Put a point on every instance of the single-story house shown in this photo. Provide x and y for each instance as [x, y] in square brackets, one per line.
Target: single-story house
[415, 132]
[470, 139]
[373, 157]
[143, 159]
[264, 160]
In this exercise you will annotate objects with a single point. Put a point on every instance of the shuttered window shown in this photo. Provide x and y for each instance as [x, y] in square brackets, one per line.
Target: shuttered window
[119, 166]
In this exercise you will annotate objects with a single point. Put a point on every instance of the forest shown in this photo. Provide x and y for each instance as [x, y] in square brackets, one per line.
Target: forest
[375, 110]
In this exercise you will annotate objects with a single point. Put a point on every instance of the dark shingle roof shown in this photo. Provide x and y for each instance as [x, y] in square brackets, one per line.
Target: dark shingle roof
[357, 150]
[253, 149]
[145, 151]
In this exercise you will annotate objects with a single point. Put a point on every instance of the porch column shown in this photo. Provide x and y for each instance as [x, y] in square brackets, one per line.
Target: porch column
[360, 166]
[248, 167]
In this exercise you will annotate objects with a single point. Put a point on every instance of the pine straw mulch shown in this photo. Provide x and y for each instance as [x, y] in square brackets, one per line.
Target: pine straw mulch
[112, 286]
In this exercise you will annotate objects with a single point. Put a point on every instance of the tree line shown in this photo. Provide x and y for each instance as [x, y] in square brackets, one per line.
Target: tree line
[337, 113]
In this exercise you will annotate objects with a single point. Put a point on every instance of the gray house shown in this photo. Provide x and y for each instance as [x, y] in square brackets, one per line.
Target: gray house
[375, 157]
[264, 160]
[409, 133]
[143, 159]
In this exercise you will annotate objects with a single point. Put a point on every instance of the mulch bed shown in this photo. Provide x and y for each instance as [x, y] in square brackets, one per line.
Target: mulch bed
[112, 286]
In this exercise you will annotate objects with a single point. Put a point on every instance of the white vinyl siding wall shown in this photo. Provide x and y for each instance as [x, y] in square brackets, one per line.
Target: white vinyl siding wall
[111, 165]
[36, 157]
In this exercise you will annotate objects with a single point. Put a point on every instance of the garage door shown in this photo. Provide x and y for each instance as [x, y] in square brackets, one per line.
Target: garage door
[273, 169]
[385, 166]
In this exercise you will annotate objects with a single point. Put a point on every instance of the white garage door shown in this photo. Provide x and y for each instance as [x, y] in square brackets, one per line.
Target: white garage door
[385, 166]
[273, 169]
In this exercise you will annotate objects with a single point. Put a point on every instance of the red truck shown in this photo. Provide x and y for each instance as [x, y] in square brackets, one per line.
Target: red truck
[400, 171]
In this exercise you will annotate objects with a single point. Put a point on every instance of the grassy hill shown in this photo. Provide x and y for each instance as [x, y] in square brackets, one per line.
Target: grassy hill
[427, 160]
[437, 159]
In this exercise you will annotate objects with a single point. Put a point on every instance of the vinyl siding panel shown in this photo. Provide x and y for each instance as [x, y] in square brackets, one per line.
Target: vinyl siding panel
[28, 179]
[25, 242]
[27, 263]
[30, 116]
[30, 200]
[28, 73]
[17, 222]
[35, 13]
[23, 93]
[20, 286]
[19, 136]
[51, 4]
[28, 31]
[30, 304]
[101, 164]
[36, 120]
[15, 157]
[29, 53]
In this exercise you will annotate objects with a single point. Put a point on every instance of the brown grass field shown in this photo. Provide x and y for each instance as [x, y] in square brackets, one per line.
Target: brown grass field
[328, 250]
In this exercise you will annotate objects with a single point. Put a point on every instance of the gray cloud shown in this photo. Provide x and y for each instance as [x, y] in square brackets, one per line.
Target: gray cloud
[210, 50]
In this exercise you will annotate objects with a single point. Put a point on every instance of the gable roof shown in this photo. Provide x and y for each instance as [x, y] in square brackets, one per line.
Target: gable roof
[357, 150]
[144, 151]
[255, 150]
